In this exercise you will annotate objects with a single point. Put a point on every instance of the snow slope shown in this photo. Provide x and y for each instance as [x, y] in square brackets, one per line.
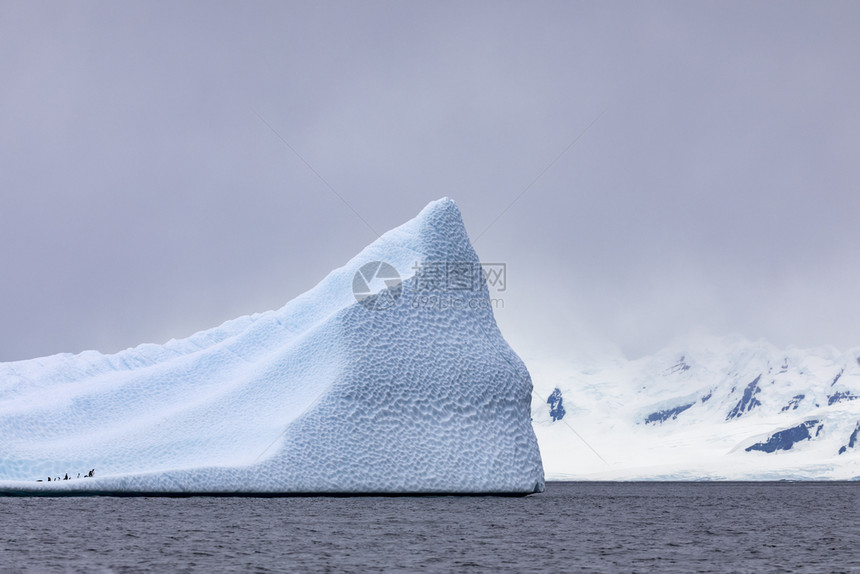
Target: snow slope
[712, 408]
[388, 394]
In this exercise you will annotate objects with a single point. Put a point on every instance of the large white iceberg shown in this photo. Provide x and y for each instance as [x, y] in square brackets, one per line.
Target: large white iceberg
[346, 389]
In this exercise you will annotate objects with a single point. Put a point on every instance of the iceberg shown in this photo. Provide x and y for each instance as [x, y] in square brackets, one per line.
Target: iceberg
[388, 377]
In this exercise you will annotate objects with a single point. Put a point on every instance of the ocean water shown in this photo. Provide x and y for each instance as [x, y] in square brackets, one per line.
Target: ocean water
[572, 527]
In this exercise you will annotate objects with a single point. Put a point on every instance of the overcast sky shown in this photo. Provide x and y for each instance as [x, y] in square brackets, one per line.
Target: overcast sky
[143, 195]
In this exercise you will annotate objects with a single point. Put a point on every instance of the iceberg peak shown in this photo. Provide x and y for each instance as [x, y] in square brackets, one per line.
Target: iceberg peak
[442, 213]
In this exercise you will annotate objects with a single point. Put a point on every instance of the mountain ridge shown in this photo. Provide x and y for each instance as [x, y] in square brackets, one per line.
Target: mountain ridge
[709, 408]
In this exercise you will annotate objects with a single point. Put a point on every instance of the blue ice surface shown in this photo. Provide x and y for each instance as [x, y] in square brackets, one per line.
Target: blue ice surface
[680, 367]
[852, 440]
[748, 401]
[325, 395]
[840, 396]
[666, 414]
[837, 377]
[786, 439]
[556, 406]
[793, 403]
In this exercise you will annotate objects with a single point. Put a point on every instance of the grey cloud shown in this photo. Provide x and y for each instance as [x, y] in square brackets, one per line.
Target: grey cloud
[142, 197]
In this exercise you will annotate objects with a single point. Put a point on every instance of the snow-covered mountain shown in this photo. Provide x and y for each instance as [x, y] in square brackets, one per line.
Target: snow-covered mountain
[712, 408]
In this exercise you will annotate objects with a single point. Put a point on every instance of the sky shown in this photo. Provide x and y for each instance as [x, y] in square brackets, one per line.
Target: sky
[646, 170]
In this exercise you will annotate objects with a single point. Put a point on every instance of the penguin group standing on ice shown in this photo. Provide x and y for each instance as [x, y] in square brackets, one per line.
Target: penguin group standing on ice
[90, 474]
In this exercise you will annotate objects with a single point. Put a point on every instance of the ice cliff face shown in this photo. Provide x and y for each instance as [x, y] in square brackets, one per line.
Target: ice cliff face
[375, 381]
[711, 408]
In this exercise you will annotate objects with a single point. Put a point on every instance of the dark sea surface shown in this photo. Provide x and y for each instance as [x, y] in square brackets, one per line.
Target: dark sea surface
[572, 527]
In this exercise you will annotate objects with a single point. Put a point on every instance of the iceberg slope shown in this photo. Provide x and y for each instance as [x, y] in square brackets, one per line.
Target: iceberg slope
[339, 391]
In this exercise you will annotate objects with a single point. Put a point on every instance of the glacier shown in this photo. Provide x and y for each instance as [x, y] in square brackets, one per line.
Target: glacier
[345, 389]
[705, 408]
